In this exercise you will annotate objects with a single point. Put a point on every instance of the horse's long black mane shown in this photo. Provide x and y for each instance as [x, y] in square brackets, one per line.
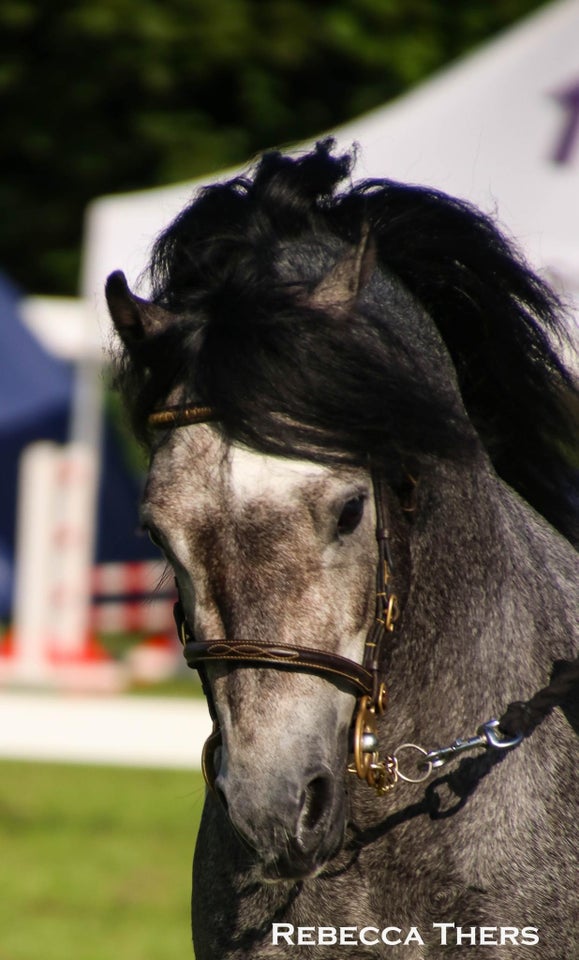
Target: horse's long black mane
[290, 379]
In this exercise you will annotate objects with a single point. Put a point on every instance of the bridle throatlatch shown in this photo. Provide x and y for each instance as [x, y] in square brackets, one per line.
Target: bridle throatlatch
[362, 679]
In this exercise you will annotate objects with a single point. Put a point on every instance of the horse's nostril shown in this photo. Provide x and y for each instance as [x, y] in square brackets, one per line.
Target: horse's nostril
[315, 799]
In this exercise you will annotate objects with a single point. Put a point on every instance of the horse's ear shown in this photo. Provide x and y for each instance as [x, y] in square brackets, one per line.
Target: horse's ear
[135, 319]
[342, 285]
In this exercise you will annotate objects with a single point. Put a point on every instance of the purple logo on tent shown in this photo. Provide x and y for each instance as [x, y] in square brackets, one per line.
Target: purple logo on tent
[568, 98]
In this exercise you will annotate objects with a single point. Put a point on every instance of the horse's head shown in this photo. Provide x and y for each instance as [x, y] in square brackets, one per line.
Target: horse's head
[278, 304]
[280, 552]
[278, 555]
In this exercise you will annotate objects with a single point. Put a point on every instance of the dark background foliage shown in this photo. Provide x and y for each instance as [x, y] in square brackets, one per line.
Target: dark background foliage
[100, 96]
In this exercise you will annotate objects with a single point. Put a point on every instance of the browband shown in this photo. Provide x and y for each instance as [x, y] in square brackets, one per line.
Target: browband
[181, 416]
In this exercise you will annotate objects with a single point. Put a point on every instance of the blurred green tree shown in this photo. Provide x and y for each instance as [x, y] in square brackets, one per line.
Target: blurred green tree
[102, 96]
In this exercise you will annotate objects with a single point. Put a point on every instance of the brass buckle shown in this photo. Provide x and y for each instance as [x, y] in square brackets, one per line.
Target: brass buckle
[392, 612]
[380, 774]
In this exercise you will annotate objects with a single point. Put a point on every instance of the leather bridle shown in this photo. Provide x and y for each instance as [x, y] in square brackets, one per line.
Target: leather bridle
[363, 679]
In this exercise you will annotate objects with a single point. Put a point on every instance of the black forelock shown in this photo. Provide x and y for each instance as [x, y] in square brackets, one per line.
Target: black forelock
[293, 380]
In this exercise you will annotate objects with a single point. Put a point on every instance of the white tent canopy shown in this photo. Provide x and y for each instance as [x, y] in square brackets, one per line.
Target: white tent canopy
[499, 128]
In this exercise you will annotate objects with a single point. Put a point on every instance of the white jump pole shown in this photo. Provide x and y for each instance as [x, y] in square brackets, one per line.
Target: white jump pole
[72, 552]
[36, 499]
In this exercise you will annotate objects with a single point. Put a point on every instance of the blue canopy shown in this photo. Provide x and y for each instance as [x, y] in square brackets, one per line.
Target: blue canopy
[35, 399]
[32, 383]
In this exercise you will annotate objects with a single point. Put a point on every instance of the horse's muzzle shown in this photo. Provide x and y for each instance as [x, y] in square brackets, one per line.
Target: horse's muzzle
[298, 830]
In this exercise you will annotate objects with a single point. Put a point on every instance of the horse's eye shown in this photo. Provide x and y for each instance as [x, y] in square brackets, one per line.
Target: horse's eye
[153, 537]
[351, 514]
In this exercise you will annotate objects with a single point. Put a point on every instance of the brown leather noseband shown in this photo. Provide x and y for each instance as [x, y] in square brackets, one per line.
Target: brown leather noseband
[362, 679]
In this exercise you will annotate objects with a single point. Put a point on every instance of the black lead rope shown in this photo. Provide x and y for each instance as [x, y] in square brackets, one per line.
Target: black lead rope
[522, 716]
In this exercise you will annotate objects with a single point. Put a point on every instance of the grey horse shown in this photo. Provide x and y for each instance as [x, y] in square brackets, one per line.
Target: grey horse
[362, 474]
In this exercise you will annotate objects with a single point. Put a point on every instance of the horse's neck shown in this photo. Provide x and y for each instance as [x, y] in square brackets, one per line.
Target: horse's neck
[488, 606]
[476, 538]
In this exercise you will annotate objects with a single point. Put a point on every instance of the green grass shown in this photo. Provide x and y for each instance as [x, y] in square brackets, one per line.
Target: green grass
[95, 862]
